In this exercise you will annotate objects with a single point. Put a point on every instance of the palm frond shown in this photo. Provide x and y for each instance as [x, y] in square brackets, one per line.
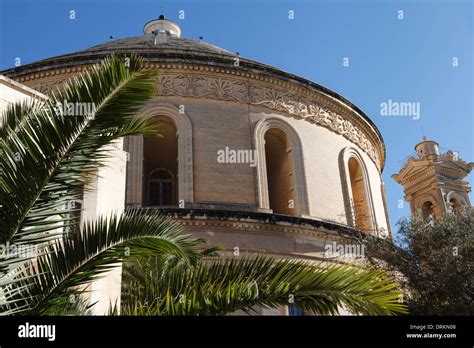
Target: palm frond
[86, 256]
[225, 286]
[17, 114]
[73, 302]
[43, 164]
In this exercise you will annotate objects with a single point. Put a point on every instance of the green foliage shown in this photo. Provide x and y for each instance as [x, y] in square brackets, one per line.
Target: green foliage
[222, 286]
[434, 262]
[46, 156]
[101, 246]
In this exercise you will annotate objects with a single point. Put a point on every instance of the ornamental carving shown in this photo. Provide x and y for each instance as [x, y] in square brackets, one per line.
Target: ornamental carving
[202, 86]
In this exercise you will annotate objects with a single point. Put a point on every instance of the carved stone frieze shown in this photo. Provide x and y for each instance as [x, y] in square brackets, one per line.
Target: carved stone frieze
[242, 90]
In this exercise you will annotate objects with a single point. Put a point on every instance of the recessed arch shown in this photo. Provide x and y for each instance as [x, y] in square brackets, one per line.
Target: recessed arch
[357, 192]
[294, 147]
[427, 206]
[455, 202]
[427, 210]
[184, 131]
[160, 157]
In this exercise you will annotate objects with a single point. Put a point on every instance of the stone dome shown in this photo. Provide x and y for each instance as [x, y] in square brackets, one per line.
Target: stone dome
[317, 179]
[169, 46]
[159, 45]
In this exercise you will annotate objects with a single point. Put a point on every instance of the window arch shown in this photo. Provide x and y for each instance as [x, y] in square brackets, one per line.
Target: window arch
[160, 165]
[455, 202]
[278, 144]
[136, 175]
[427, 210]
[357, 192]
[427, 206]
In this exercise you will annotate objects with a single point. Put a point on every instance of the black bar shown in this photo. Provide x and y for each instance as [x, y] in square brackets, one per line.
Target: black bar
[222, 331]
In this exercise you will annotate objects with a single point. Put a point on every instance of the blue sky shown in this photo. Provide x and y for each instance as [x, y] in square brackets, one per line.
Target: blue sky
[405, 60]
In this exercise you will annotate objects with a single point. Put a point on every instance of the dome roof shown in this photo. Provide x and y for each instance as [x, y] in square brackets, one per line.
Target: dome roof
[160, 36]
[158, 44]
[162, 43]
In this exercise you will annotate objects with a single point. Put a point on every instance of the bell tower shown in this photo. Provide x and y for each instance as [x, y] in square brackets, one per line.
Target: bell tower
[435, 183]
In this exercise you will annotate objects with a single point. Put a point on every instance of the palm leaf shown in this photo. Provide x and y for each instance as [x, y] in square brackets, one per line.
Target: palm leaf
[87, 256]
[16, 114]
[44, 161]
[225, 286]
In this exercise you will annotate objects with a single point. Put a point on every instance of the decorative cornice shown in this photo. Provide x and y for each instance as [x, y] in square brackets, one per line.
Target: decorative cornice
[432, 167]
[52, 72]
[261, 221]
[417, 176]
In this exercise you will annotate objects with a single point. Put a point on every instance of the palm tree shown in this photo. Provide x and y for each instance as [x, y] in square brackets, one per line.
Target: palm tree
[46, 158]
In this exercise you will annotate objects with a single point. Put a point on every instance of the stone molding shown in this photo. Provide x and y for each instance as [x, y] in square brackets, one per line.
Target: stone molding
[262, 228]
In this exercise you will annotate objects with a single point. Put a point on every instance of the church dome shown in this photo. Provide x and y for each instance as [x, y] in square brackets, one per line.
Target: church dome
[256, 157]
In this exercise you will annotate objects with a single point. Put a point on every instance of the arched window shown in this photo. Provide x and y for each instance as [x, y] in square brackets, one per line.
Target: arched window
[161, 190]
[143, 148]
[362, 214]
[279, 165]
[456, 203]
[160, 165]
[357, 192]
[281, 178]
